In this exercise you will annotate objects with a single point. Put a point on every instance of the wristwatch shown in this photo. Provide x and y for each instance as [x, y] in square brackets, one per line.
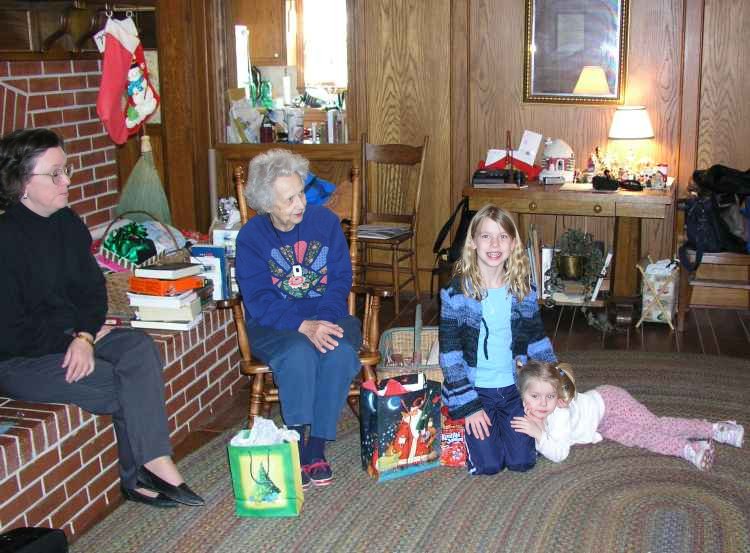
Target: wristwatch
[85, 337]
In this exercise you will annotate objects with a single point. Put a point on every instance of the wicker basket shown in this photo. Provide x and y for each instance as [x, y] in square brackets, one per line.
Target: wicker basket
[399, 343]
[117, 283]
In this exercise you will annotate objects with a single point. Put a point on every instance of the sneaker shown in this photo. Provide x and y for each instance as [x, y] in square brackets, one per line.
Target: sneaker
[306, 482]
[729, 432]
[320, 472]
[700, 453]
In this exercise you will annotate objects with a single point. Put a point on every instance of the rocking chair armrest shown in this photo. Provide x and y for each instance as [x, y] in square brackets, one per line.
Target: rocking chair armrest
[229, 303]
[363, 290]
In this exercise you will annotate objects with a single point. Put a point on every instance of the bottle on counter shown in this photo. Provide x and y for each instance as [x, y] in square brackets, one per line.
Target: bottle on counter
[266, 130]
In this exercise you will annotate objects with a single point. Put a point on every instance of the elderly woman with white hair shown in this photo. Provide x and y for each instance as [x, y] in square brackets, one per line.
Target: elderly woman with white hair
[295, 274]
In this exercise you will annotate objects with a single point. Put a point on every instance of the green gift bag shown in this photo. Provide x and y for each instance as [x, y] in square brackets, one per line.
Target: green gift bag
[266, 479]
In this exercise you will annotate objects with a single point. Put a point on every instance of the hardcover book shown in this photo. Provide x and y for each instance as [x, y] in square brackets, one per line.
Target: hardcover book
[159, 287]
[169, 271]
[214, 261]
[180, 300]
[381, 231]
[167, 325]
[186, 313]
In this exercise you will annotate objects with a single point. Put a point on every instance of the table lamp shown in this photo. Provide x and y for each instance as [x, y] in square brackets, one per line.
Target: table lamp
[592, 82]
[631, 123]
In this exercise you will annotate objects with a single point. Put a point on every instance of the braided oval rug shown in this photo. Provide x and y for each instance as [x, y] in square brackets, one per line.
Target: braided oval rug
[603, 498]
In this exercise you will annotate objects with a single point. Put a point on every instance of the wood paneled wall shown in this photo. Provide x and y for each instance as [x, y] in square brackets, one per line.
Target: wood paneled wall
[724, 114]
[725, 81]
[453, 69]
[403, 49]
[495, 98]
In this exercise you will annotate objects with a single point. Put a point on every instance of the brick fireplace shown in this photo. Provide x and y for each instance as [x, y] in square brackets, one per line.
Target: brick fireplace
[61, 95]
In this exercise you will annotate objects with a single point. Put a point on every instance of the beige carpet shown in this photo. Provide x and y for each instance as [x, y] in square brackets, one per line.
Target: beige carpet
[604, 498]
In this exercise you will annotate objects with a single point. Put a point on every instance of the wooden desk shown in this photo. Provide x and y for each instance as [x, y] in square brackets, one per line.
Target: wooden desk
[628, 208]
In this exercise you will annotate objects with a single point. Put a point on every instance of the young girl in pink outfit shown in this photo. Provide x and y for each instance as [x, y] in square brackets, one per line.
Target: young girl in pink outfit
[557, 417]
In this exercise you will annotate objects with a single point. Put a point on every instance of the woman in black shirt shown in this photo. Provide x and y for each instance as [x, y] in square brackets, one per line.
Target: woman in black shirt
[54, 346]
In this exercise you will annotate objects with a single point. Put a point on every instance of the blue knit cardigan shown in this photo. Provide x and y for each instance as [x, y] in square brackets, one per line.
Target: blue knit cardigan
[460, 318]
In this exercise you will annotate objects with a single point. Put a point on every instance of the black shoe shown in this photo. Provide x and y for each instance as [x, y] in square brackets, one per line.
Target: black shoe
[182, 493]
[160, 501]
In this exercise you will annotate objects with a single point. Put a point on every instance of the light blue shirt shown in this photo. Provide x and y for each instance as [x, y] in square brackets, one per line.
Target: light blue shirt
[495, 370]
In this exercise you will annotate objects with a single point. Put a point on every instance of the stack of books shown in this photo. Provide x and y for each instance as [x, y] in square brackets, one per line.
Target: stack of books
[167, 297]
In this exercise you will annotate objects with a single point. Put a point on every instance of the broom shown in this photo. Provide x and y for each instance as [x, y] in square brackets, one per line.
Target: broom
[144, 191]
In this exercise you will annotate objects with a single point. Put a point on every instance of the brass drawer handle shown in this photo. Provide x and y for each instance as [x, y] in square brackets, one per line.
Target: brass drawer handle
[532, 206]
[597, 208]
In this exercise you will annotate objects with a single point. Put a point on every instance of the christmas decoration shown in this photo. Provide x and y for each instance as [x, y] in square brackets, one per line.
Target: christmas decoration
[122, 61]
[142, 98]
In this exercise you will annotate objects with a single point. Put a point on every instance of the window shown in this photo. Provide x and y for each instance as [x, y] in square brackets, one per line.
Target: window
[322, 32]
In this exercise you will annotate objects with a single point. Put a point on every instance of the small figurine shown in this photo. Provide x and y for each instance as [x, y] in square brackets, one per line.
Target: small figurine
[558, 160]
[657, 180]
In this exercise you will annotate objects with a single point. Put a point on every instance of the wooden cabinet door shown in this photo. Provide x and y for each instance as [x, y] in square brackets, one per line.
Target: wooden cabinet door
[266, 21]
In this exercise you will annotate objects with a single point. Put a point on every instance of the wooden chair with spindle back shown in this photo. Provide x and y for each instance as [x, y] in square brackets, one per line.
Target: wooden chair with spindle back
[391, 189]
[345, 202]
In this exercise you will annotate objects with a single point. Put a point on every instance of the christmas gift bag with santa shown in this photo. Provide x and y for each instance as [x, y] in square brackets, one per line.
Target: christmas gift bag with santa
[400, 426]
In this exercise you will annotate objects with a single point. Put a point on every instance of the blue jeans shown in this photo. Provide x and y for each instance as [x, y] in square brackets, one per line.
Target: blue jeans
[504, 448]
[313, 386]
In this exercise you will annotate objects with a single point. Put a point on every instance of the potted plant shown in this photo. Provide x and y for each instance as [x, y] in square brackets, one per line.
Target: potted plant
[574, 245]
[576, 258]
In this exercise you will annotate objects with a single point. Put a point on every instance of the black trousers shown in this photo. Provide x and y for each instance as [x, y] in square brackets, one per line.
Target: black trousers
[127, 383]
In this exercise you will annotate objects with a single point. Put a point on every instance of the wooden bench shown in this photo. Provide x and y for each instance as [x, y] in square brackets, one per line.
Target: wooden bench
[58, 463]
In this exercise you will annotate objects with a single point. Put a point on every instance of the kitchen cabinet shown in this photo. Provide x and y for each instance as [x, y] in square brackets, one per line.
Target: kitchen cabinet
[48, 30]
[267, 23]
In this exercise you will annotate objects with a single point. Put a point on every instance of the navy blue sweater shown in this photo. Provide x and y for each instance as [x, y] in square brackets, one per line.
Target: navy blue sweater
[273, 296]
[460, 318]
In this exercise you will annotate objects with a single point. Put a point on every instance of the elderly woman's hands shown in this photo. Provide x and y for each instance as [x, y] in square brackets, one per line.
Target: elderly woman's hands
[322, 334]
[79, 360]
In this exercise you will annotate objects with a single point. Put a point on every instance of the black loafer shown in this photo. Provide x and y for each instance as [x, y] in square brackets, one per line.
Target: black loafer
[182, 493]
[160, 501]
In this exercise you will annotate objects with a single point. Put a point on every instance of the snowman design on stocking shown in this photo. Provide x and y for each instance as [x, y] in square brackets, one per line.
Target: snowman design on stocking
[142, 98]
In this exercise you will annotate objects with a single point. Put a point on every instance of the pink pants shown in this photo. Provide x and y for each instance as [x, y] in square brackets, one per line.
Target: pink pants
[630, 423]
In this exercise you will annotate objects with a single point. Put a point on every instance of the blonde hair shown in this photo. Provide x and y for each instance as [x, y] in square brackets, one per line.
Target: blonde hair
[516, 266]
[559, 375]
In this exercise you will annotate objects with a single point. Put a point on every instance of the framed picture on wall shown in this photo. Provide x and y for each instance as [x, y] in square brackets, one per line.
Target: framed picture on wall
[575, 51]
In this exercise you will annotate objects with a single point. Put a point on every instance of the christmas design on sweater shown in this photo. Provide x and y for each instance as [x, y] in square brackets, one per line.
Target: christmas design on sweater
[312, 257]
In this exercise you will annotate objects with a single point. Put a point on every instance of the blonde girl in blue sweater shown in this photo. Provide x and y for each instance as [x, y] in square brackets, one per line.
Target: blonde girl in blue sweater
[489, 320]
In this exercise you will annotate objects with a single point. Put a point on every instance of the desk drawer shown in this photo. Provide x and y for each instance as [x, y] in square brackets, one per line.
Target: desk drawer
[584, 207]
[641, 210]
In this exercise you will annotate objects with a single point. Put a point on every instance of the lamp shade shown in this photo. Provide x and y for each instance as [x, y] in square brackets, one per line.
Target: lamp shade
[592, 82]
[631, 123]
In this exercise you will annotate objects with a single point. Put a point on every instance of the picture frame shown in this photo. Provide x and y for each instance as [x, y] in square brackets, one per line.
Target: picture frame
[575, 51]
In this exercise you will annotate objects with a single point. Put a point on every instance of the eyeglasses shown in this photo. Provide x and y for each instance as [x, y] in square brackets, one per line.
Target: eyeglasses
[58, 174]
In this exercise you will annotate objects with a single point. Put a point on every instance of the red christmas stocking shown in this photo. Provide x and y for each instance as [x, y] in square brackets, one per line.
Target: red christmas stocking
[121, 41]
[142, 97]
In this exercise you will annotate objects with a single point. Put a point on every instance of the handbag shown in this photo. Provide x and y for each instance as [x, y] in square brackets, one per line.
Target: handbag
[705, 230]
[453, 252]
[34, 540]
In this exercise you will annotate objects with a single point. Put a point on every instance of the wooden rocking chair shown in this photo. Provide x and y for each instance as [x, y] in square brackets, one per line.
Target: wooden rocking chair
[345, 202]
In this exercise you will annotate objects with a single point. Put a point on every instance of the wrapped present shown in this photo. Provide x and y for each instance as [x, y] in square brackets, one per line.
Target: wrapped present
[129, 245]
[400, 426]
[265, 476]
